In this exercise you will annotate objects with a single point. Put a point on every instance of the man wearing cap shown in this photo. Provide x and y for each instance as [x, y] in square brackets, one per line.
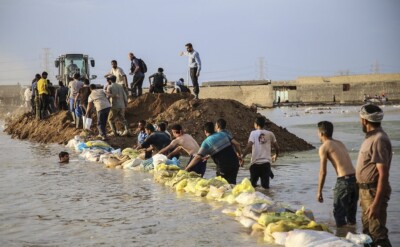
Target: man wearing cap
[372, 173]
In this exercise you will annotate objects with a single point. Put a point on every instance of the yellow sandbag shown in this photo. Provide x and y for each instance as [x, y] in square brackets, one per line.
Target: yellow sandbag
[228, 197]
[315, 226]
[280, 226]
[191, 184]
[132, 153]
[221, 179]
[217, 193]
[305, 212]
[163, 176]
[229, 211]
[257, 227]
[267, 218]
[244, 186]
[217, 181]
[98, 143]
[202, 187]
[181, 185]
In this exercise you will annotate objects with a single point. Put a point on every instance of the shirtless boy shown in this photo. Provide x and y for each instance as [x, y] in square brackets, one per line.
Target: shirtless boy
[345, 193]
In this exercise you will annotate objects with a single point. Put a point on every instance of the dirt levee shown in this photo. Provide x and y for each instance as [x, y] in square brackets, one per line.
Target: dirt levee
[174, 108]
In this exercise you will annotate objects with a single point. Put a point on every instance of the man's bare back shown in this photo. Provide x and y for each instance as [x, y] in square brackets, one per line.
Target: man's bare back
[337, 154]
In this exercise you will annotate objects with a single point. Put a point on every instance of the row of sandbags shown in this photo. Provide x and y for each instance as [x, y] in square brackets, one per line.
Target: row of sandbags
[279, 223]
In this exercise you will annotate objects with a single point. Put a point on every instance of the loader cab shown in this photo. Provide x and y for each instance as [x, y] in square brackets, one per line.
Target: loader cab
[69, 64]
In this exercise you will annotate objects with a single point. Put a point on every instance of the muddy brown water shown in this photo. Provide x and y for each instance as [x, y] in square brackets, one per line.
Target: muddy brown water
[44, 203]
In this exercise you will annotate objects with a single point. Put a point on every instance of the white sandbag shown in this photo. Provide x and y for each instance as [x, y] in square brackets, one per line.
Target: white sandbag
[87, 123]
[246, 222]
[93, 155]
[158, 159]
[216, 192]
[229, 211]
[247, 198]
[280, 237]
[247, 212]
[310, 238]
[129, 164]
[359, 238]
[116, 151]
[73, 143]
[104, 156]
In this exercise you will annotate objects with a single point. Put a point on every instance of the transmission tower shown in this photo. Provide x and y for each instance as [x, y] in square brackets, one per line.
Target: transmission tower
[46, 59]
[375, 68]
[261, 71]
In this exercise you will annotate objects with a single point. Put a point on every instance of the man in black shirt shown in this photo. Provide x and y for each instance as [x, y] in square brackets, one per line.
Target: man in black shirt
[155, 140]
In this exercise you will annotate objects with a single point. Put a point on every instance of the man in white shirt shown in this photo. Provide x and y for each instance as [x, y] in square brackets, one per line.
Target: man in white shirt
[73, 89]
[194, 66]
[260, 142]
[119, 74]
[99, 101]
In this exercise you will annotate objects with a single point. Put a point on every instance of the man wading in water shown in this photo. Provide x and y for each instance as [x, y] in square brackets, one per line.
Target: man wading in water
[345, 193]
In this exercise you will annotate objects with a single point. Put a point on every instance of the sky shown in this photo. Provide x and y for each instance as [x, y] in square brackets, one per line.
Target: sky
[236, 39]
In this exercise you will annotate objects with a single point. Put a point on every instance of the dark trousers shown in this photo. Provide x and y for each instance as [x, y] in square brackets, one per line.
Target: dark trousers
[376, 228]
[200, 167]
[62, 105]
[136, 85]
[345, 197]
[33, 104]
[195, 80]
[262, 171]
[43, 102]
[102, 117]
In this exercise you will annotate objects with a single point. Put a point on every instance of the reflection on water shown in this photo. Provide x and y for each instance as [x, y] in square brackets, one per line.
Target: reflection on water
[44, 203]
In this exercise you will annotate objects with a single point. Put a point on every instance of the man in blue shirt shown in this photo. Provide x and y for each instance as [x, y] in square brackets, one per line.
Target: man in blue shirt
[219, 147]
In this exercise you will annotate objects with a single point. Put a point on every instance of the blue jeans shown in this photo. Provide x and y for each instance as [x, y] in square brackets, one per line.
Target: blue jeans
[102, 116]
[345, 197]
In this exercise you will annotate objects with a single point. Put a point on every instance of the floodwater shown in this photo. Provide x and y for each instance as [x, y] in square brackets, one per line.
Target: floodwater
[44, 203]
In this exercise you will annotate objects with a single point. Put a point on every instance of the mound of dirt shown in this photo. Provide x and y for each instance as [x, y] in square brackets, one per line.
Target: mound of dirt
[174, 108]
[193, 114]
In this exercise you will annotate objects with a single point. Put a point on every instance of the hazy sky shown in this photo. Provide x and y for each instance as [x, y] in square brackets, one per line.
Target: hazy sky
[294, 38]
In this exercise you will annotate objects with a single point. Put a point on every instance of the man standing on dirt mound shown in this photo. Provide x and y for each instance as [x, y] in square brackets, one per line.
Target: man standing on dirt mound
[138, 76]
[194, 66]
[119, 102]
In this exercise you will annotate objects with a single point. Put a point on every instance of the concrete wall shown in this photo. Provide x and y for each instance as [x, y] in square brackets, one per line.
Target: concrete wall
[310, 93]
[261, 95]
[348, 79]
[313, 89]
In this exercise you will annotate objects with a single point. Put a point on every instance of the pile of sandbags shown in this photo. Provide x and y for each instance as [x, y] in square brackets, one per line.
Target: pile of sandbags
[279, 224]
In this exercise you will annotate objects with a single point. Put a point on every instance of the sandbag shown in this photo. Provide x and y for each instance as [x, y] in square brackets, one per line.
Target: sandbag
[247, 198]
[159, 159]
[244, 186]
[132, 153]
[246, 222]
[309, 238]
[129, 164]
